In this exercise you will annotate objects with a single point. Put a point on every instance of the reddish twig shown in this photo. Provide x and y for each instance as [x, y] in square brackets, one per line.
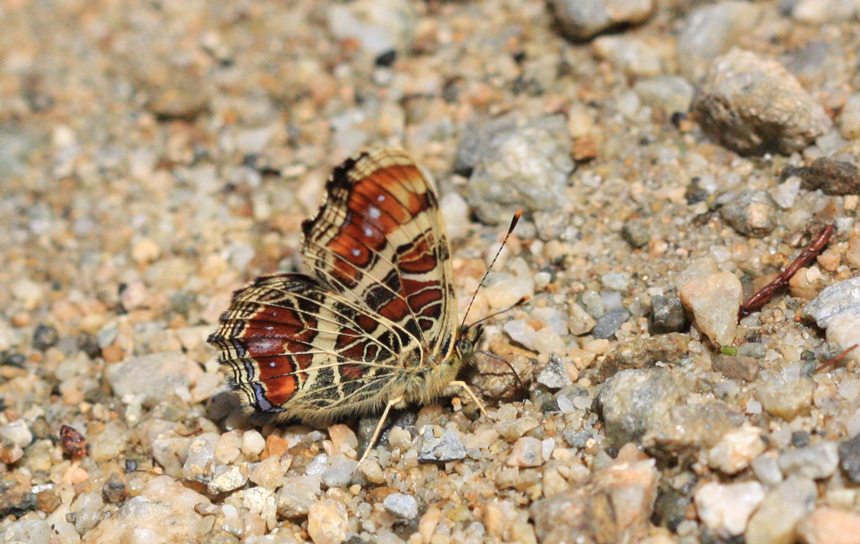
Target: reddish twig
[763, 295]
[835, 360]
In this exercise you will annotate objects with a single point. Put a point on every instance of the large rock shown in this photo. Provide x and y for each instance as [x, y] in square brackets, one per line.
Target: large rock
[754, 105]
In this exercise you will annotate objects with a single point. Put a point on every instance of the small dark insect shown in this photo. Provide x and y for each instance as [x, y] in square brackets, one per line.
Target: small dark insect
[763, 295]
[73, 442]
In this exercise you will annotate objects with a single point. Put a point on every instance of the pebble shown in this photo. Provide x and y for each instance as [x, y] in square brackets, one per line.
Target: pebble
[633, 402]
[844, 333]
[581, 515]
[726, 508]
[156, 376]
[200, 460]
[446, 446]
[554, 374]
[527, 452]
[667, 315]
[609, 323]
[849, 458]
[253, 443]
[840, 298]
[580, 321]
[45, 336]
[766, 469]
[849, 118]
[785, 194]
[824, 11]
[814, 462]
[377, 25]
[339, 471]
[736, 450]
[526, 166]
[692, 427]
[634, 56]
[786, 398]
[736, 368]
[668, 93]
[327, 522]
[754, 105]
[17, 433]
[714, 302]
[832, 176]
[783, 506]
[401, 505]
[584, 19]
[827, 525]
[646, 351]
[751, 213]
[297, 495]
[226, 478]
[711, 30]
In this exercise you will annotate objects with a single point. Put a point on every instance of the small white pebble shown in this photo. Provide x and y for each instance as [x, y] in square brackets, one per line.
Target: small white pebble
[253, 443]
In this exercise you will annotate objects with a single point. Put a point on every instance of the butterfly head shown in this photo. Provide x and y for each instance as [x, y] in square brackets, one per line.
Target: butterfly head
[467, 340]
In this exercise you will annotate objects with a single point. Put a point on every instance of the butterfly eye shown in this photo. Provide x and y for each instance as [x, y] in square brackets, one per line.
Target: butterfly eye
[464, 346]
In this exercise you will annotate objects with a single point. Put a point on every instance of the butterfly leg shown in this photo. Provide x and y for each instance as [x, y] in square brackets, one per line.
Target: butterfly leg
[376, 432]
[465, 387]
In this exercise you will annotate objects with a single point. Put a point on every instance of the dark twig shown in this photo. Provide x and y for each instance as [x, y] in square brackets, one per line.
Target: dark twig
[763, 295]
[835, 360]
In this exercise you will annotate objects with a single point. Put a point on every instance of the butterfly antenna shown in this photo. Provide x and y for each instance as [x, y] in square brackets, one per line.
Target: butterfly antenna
[516, 304]
[514, 220]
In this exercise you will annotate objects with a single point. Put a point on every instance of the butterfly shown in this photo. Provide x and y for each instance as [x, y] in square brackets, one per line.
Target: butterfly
[375, 323]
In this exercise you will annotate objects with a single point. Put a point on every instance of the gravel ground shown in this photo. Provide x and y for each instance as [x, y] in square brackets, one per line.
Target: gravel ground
[671, 157]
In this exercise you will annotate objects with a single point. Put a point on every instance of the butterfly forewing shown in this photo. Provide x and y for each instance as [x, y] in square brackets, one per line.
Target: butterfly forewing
[379, 303]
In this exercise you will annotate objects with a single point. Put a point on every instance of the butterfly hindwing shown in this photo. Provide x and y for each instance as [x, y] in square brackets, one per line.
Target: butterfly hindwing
[379, 305]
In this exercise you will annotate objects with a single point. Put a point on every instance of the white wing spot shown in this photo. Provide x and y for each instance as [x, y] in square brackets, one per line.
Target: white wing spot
[356, 252]
[374, 211]
[368, 232]
[272, 364]
[380, 198]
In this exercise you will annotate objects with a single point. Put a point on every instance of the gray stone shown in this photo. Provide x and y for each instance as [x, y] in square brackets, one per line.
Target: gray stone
[754, 105]
[833, 177]
[814, 462]
[526, 166]
[751, 213]
[155, 376]
[609, 323]
[667, 315]
[691, 427]
[633, 402]
[766, 469]
[401, 505]
[339, 472]
[475, 137]
[669, 93]
[297, 495]
[849, 458]
[446, 447]
[838, 299]
[710, 31]
[636, 232]
[378, 25]
[554, 375]
[583, 19]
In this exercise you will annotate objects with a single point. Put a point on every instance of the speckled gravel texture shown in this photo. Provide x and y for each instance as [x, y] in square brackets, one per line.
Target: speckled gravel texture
[671, 157]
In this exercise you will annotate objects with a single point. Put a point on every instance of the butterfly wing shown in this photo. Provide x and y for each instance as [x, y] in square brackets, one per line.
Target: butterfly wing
[380, 239]
[294, 346]
[319, 347]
